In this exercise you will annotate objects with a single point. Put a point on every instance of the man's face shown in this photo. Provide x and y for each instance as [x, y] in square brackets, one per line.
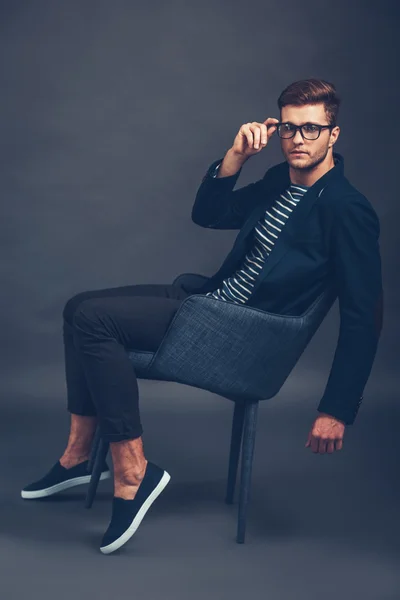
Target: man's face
[315, 150]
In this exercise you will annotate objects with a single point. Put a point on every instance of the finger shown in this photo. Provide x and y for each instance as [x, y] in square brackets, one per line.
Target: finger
[322, 446]
[271, 121]
[259, 135]
[269, 126]
[254, 127]
[314, 443]
[267, 132]
[339, 444]
[308, 442]
[248, 134]
[330, 447]
[264, 134]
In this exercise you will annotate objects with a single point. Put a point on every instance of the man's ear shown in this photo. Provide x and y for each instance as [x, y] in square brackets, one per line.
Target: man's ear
[334, 134]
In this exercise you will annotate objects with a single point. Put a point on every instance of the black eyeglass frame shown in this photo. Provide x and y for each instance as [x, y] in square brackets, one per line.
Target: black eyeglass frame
[299, 128]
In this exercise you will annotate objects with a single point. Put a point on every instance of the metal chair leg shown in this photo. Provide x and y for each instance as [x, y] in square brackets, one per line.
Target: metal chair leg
[101, 454]
[234, 453]
[249, 437]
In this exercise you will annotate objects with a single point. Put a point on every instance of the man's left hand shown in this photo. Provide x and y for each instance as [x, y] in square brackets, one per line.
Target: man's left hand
[326, 434]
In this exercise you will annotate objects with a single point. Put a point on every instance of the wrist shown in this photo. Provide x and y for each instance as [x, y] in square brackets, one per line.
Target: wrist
[240, 159]
[326, 415]
[231, 164]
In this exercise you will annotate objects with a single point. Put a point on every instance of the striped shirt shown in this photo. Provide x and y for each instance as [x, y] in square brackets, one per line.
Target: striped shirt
[239, 287]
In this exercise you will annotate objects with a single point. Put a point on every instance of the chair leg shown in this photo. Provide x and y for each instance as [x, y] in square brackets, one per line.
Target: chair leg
[94, 449]
[101, 454]
[234, 453]
[249, 438]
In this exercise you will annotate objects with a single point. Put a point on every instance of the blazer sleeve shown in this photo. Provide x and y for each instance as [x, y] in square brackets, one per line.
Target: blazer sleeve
[356, 264]
[217, 206]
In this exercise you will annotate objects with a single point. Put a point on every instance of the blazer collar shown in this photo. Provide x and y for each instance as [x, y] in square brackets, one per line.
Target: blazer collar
[281, 177]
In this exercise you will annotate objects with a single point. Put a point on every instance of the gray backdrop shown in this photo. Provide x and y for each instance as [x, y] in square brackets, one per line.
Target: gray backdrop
[110, 114]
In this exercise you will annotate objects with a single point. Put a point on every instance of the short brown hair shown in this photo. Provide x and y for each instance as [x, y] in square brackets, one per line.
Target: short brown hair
[312, 91]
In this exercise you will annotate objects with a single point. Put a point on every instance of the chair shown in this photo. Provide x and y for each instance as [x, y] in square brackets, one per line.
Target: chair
[237, 351]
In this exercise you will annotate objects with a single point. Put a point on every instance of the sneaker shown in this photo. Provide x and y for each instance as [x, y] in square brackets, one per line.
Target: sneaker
[128, 514]
[59, 478]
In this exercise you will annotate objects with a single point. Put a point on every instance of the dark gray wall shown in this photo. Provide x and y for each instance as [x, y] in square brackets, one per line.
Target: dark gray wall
[112, 111]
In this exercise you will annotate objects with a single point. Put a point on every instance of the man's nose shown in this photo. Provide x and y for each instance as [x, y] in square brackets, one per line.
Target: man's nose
[297, 138]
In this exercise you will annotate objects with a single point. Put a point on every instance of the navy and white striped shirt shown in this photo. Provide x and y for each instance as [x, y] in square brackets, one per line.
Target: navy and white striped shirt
[239, 287]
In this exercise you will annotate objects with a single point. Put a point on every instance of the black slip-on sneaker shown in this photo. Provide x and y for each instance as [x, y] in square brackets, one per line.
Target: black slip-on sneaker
[128, 514]
[59, 478]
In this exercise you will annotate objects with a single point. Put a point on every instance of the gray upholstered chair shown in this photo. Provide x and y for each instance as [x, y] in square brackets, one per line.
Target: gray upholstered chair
[239, 352]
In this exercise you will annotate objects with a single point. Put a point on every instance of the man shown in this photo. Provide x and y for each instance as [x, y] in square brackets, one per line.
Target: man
[280, 262]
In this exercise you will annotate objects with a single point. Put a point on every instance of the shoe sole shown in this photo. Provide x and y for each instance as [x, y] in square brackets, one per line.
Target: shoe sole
[128, 533]
[63, 485]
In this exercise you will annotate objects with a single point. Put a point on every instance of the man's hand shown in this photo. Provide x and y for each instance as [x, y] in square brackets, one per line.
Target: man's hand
[326, 434]
[253, 137]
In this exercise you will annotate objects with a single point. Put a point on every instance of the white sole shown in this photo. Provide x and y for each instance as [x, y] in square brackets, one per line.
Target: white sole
[63, 485]
[128, 533]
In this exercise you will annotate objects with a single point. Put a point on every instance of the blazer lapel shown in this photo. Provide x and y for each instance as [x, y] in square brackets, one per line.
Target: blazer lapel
[297, 219]
[293, 227]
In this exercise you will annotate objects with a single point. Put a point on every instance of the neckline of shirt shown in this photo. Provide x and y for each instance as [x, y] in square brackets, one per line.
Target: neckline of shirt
[301, 187]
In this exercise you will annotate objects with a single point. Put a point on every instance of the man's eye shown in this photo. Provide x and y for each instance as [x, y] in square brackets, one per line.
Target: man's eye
[310, 128]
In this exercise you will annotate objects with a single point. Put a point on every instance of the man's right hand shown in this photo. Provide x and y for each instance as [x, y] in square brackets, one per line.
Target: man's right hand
[253, 137]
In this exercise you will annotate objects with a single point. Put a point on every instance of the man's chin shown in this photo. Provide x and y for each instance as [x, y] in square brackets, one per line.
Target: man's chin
[298, 161]
[297, 156]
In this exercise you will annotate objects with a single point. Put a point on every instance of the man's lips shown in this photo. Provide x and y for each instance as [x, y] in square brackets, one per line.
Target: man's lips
[298, 152]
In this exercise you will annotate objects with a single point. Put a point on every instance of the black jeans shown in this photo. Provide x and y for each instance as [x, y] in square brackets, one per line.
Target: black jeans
[98, 327]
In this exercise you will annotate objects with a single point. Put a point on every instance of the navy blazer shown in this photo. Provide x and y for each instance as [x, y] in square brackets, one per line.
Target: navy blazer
[332, 237]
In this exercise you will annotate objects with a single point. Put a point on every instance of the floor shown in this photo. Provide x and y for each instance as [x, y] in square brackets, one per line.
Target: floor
[318, 526]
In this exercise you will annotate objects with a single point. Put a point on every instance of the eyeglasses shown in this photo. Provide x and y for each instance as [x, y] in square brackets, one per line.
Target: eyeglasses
[309, 131]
